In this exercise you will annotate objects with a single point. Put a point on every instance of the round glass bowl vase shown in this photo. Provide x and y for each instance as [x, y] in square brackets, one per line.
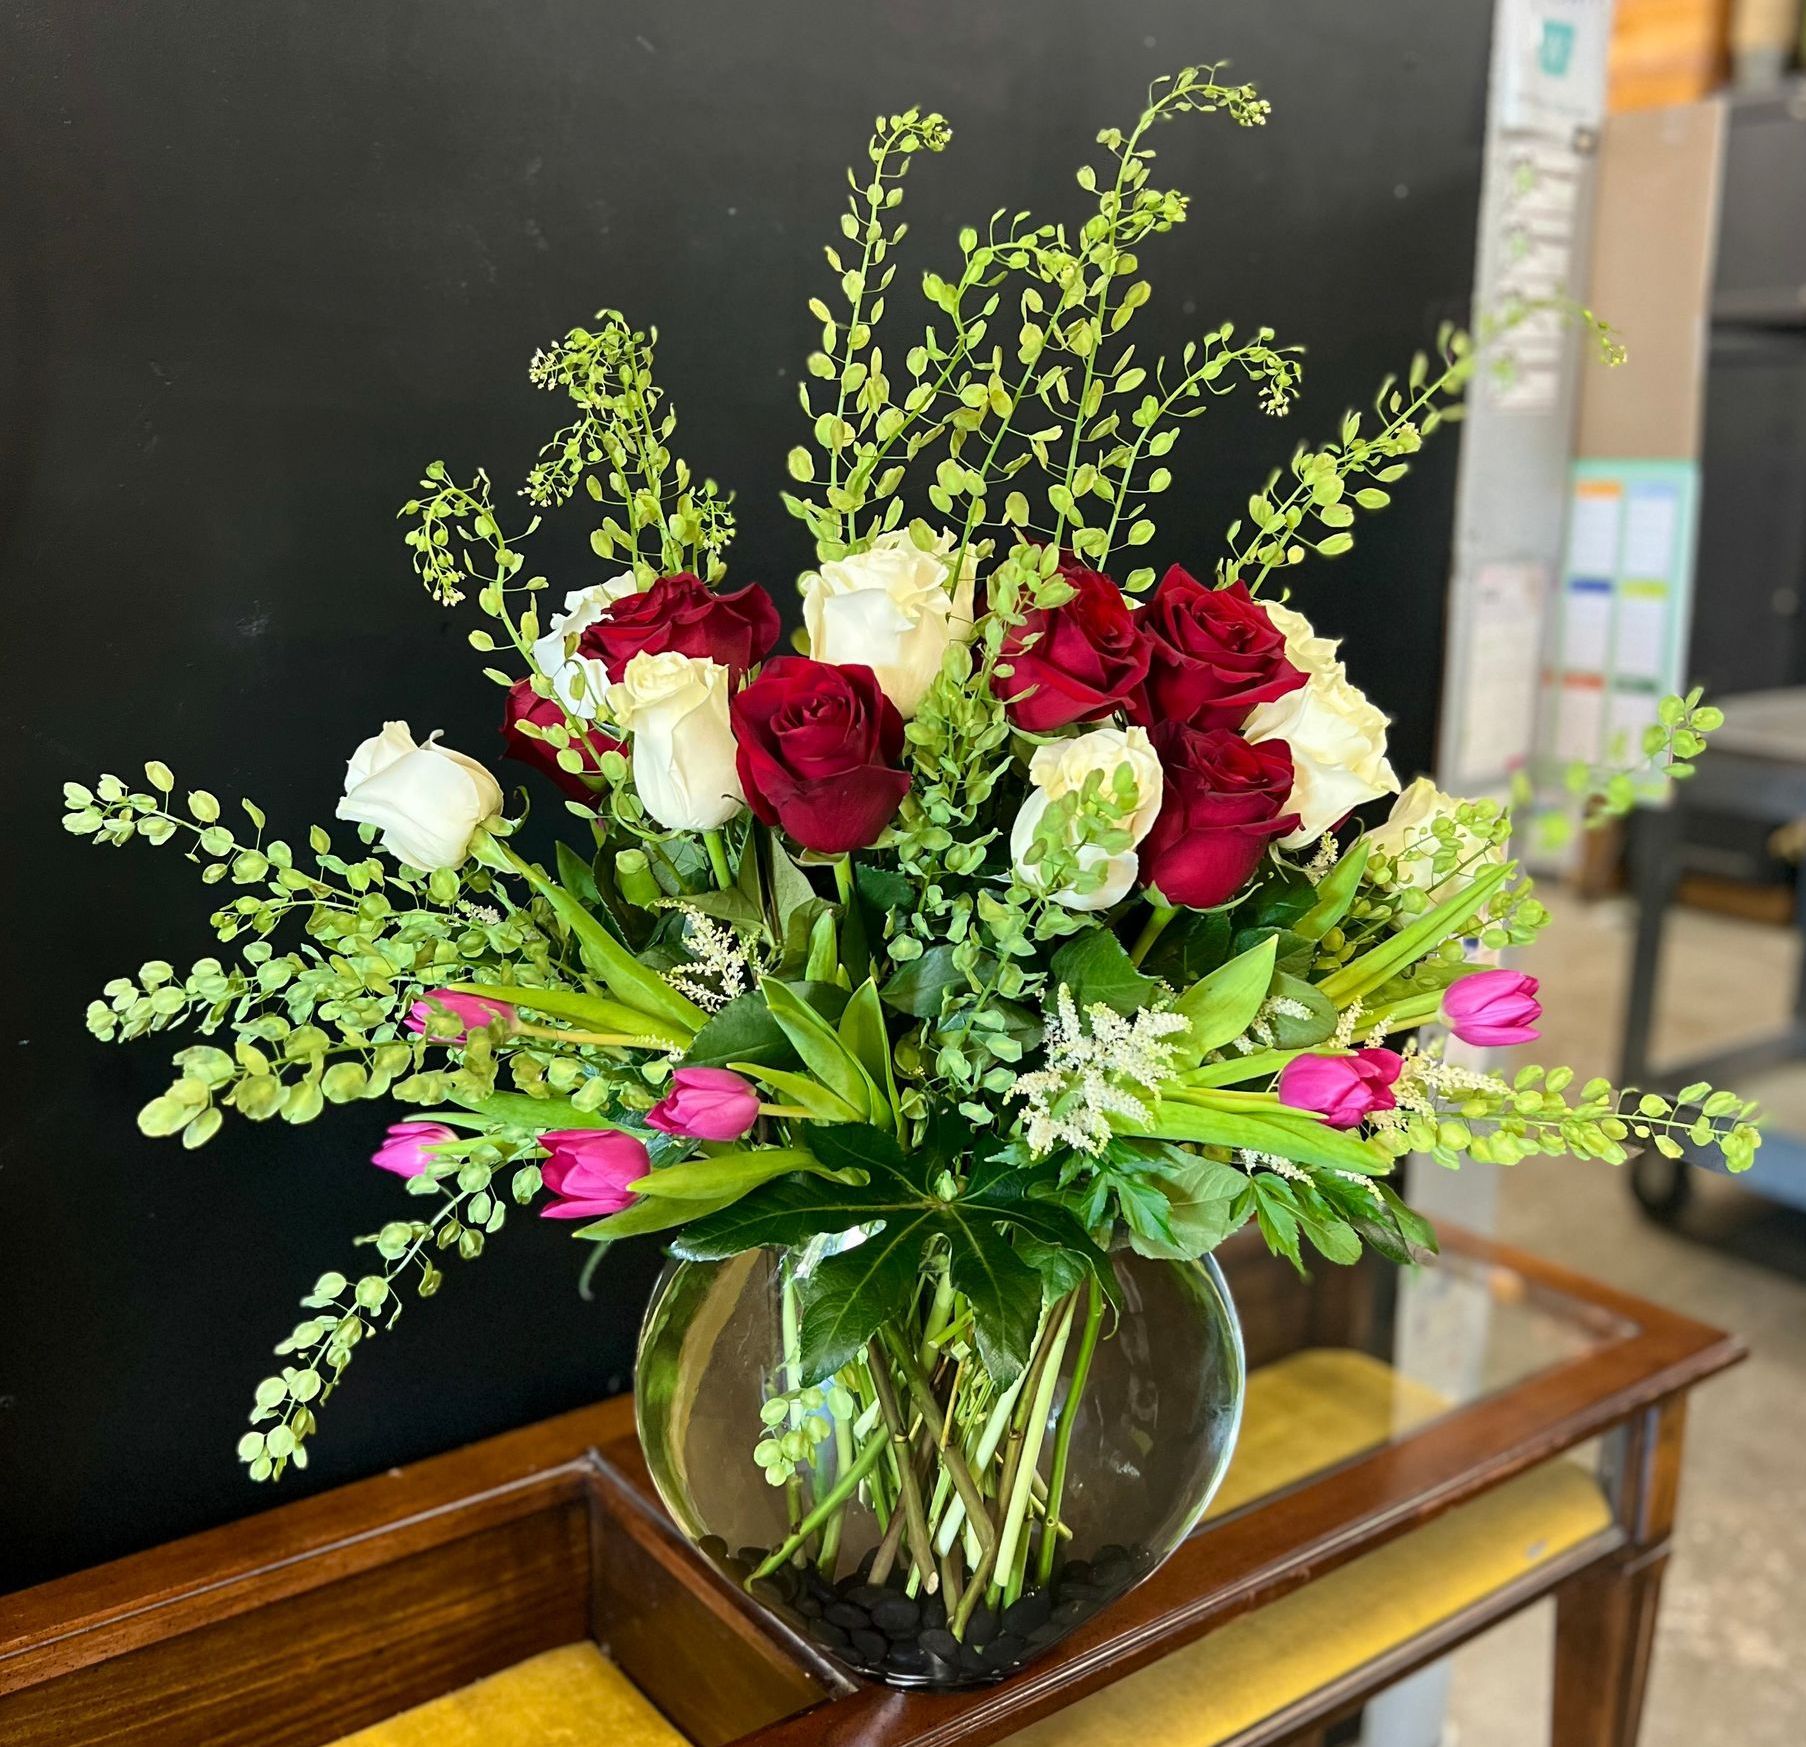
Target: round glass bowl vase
[800, 1496]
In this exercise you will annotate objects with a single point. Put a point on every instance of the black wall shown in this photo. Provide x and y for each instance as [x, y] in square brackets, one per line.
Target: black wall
[258, 262]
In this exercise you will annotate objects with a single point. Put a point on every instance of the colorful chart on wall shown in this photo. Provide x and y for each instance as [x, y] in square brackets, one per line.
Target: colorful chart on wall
[1617, 632]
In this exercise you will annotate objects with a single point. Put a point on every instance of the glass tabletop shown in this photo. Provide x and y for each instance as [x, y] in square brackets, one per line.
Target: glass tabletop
[1340, 1366]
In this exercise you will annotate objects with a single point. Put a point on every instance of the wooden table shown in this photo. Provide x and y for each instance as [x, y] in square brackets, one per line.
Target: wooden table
[320, 1617]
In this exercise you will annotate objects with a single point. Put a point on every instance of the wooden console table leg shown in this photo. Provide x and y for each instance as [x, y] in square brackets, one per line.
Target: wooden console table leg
[1604, 1632]
[1605, 1619]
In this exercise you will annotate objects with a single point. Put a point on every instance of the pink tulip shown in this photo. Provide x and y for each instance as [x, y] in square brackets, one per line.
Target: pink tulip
[706, 1104]
[472, 1009]
[588, 1169]
[1341, 1088]
[409, 1147]
[1492, 1008]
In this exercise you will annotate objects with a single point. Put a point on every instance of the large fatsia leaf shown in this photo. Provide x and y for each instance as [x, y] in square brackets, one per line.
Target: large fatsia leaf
[847, 1298]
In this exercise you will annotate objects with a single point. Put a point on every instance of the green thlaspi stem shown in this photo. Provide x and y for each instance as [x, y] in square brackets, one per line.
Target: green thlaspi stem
[842, 1490]
[1033, 1431]
[915, 1518]
[1056, 1482]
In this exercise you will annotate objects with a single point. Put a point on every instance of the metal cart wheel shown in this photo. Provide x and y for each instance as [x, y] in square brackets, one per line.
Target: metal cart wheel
[1663, 1187]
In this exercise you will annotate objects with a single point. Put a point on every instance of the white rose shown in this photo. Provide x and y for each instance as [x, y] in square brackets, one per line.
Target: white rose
[1338, 742]
[675, 707]
[1412, 825]
[1313, 656]
[426, 800]
[1060, 768]
[579, 682]
[890, 609]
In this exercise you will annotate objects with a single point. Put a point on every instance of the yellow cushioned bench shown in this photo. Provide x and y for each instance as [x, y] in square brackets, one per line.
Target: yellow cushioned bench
[1304, 1413]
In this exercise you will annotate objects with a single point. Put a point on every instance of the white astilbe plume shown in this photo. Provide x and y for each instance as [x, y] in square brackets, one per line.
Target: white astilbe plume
[1426, 1077]
[717, 970]
[1098, 1066]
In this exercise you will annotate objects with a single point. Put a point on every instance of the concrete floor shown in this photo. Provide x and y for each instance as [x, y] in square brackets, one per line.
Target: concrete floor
[1730, 1661]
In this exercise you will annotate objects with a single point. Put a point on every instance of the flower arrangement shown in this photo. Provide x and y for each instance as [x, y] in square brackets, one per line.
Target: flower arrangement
[1022, 918]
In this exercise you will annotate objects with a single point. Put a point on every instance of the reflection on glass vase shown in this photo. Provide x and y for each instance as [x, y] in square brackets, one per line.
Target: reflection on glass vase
[923, 1522]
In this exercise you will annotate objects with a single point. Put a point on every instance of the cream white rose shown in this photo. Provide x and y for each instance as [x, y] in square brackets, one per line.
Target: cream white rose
[675, 708]
[890, 609]
[1411, 826]
[1060, 768]
[426, 800]
[579, 682]
[1313, 656]
[1338, 742]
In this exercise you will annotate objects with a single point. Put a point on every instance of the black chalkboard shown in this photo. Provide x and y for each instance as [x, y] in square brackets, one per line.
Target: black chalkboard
[257, 264]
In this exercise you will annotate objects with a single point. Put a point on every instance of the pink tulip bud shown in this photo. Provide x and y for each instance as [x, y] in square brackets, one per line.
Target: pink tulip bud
[1341, 1088]
[409, 1146]
[706, 1104]
[472, 1009]
[588, 1169]
[1492, 1008]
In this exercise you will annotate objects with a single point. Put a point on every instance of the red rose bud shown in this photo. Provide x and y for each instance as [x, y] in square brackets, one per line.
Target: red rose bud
[1493, 1009]
[818, 749]
[525, 705]
[1213, 654]
[1342, 1089]
[1076, 662]
[1222, 802]
[684, 614]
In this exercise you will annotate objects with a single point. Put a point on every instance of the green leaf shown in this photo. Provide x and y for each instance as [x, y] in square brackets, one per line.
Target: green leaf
[723, 1177]
[1360, 976]
[1094, 966]
[1005, 1295]
[1201, 1199]
[799, 1089]
[845, 1298]
[1335, 892]
[823, 1054]
[537, 1115]
[744, 1030]
[631, 982]
[587, 1012]
[862, 1031]
[1294, 1030]
[1269, 1129]
[1222, 1005]
[917, 987]
[651, 1214]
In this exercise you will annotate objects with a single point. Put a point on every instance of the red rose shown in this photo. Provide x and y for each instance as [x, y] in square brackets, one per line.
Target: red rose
[1221, 802]
[525, 705]
[683, 613]
[1075, 662]
[817, 752]
[1214, 654]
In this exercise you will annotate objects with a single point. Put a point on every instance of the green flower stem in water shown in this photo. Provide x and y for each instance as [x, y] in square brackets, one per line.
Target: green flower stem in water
[915, 1518]
[717, 848]
[843, 1460]
[1056, 1484]
[842, 1490]
[1008, 1573]
[1151, 931]
[921, 1395]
